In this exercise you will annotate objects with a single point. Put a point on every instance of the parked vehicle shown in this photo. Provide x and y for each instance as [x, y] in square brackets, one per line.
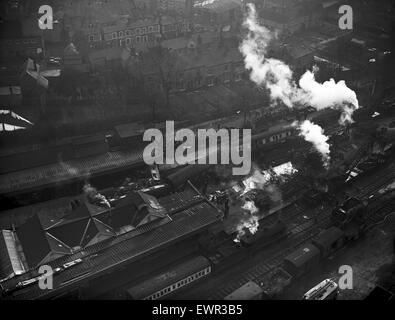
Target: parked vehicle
[325, 290]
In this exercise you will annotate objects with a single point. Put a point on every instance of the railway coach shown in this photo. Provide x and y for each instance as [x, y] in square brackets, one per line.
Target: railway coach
[171, 279]
[273, 137]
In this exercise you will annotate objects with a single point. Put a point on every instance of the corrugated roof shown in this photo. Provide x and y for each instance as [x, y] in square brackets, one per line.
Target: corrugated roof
[9, 260]
[218, 6]
[59, 172]
[88, 139]
[127, 247]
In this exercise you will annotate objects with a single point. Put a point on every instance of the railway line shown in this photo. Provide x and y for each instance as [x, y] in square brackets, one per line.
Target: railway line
[258, 272]
[302, 233]
[301, 230]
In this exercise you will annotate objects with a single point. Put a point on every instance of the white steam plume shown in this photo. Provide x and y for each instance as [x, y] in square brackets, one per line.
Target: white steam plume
[328, 95]
[251, 222]
[273, 73]
[93, 196]
[277, 76]
[315, 134]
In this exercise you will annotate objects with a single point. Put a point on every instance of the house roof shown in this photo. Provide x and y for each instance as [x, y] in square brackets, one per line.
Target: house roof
[77, 229]
[135, 24]
[208, 57]
[132, 210]
[70, 50]
[118, 217]
[36, 243]
[71, 233]
[218, 6]
[113, 53]
[206, 37]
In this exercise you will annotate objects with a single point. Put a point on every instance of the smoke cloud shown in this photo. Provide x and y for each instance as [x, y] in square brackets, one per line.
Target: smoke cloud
[250, 222]
[94, 197]
[315, 134]
[257, 180]
[277, 77]
[273, 73]
[329, 94]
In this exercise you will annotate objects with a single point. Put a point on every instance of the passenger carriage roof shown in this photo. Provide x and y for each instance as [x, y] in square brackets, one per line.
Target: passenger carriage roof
[302, 255]
[166, 278]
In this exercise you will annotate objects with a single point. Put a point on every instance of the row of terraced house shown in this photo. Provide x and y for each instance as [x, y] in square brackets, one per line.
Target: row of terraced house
[140, 34]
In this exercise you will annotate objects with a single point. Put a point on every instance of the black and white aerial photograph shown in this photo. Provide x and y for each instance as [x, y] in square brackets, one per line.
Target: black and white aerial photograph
[202, 153]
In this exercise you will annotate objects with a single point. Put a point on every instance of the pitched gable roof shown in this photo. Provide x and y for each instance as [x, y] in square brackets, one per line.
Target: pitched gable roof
[37, 244]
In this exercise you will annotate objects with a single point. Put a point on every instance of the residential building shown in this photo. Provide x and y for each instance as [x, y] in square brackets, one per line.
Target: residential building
[141, 34]
[220, 12]
[180, 7]
[30, 28]
[72, 59]
[171, 27]
[289, 16]
[197, 68]
[23, 47]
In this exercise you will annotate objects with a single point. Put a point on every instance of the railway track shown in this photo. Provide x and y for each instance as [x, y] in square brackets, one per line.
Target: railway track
[387, 175]
[300, 234]
[386, 209]
[304, 232]
[258, 272]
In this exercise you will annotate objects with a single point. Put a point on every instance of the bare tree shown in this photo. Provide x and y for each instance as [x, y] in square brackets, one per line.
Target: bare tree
[168, 65]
